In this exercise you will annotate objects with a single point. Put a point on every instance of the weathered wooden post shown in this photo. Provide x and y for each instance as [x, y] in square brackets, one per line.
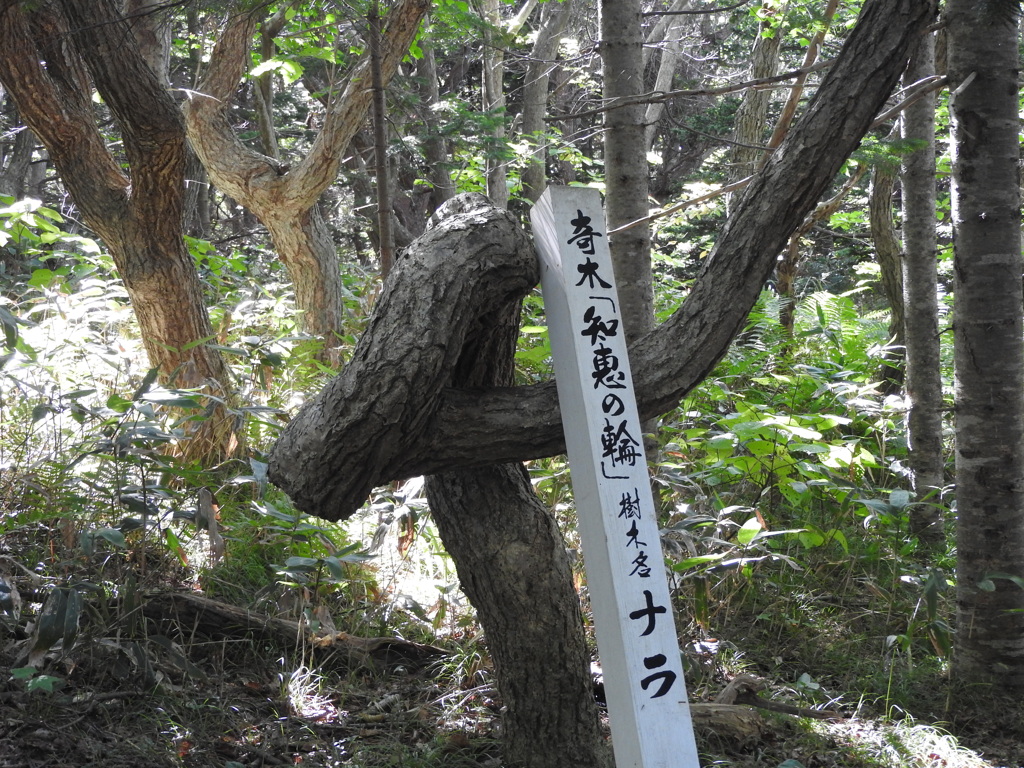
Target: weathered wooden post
[636, 636]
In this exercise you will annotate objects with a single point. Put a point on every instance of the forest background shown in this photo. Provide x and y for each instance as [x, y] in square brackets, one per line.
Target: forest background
[168, 310]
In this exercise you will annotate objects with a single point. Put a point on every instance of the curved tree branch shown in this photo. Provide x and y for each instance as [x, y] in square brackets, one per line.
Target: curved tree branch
[384, 397]
[236, 170]
[255, 179]
[467, 428]
[51, 87]
[320, 167]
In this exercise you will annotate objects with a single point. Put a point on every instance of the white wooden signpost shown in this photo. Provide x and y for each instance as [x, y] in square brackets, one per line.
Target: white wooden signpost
[636, 638]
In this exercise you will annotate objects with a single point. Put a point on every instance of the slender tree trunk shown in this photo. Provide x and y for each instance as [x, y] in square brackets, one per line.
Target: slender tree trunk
[264, 86]
[494, 104]
[989, 351]
[796, 91]
[435, 150]
[535, 96]
[890, 261]
[15, 173]
[625, 162]
[386, 247]
[752, 115]
[669, 42]
[920, 296]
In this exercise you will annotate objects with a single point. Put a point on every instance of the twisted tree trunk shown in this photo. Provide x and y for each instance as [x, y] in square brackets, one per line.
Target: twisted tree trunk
[283, 197]
[358, 433]
[50, 57]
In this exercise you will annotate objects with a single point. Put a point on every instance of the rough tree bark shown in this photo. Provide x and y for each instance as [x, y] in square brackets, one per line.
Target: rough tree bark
[625, 162]
[511, 560]
[14, 172]
[988, 346]
[923, 371]
[752, 115]
[385, 232]
[333, 452]
[285, 198]
[890, 261]
[513, 566]
[50, 55]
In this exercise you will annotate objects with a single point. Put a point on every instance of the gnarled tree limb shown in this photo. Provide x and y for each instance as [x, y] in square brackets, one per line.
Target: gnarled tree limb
[469, 428]
[386, 396]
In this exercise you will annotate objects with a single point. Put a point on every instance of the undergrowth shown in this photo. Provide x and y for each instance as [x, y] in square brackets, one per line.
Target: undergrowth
[781, 484]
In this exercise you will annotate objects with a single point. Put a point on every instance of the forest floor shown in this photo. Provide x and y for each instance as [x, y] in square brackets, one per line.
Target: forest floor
[187, 691]
[248, 704]
[251, 706]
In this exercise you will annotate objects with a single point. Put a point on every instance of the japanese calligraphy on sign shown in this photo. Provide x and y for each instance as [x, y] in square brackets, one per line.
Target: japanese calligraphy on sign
[637, 643]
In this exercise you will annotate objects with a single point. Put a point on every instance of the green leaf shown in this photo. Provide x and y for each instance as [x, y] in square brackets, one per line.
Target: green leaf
[170, 398]
[10, 326]
[302, 563]
[174, 544]
[749, 531]
[41, 411]
[147, 382]
[811, 538]
[117, 403]
[45, 683]
[899, 499]
[690, 562]
[988, 584]
[760, 447]
[335, 567]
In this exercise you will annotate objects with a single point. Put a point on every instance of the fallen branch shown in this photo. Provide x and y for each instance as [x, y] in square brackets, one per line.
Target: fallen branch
[194, 613]
[743, 690]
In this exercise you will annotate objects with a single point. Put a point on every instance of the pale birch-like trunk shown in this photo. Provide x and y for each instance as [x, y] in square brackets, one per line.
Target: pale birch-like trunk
[989, 350]
[535, 95]
[494, 104]
[923, 371]
[667, 38]
[285, 198]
